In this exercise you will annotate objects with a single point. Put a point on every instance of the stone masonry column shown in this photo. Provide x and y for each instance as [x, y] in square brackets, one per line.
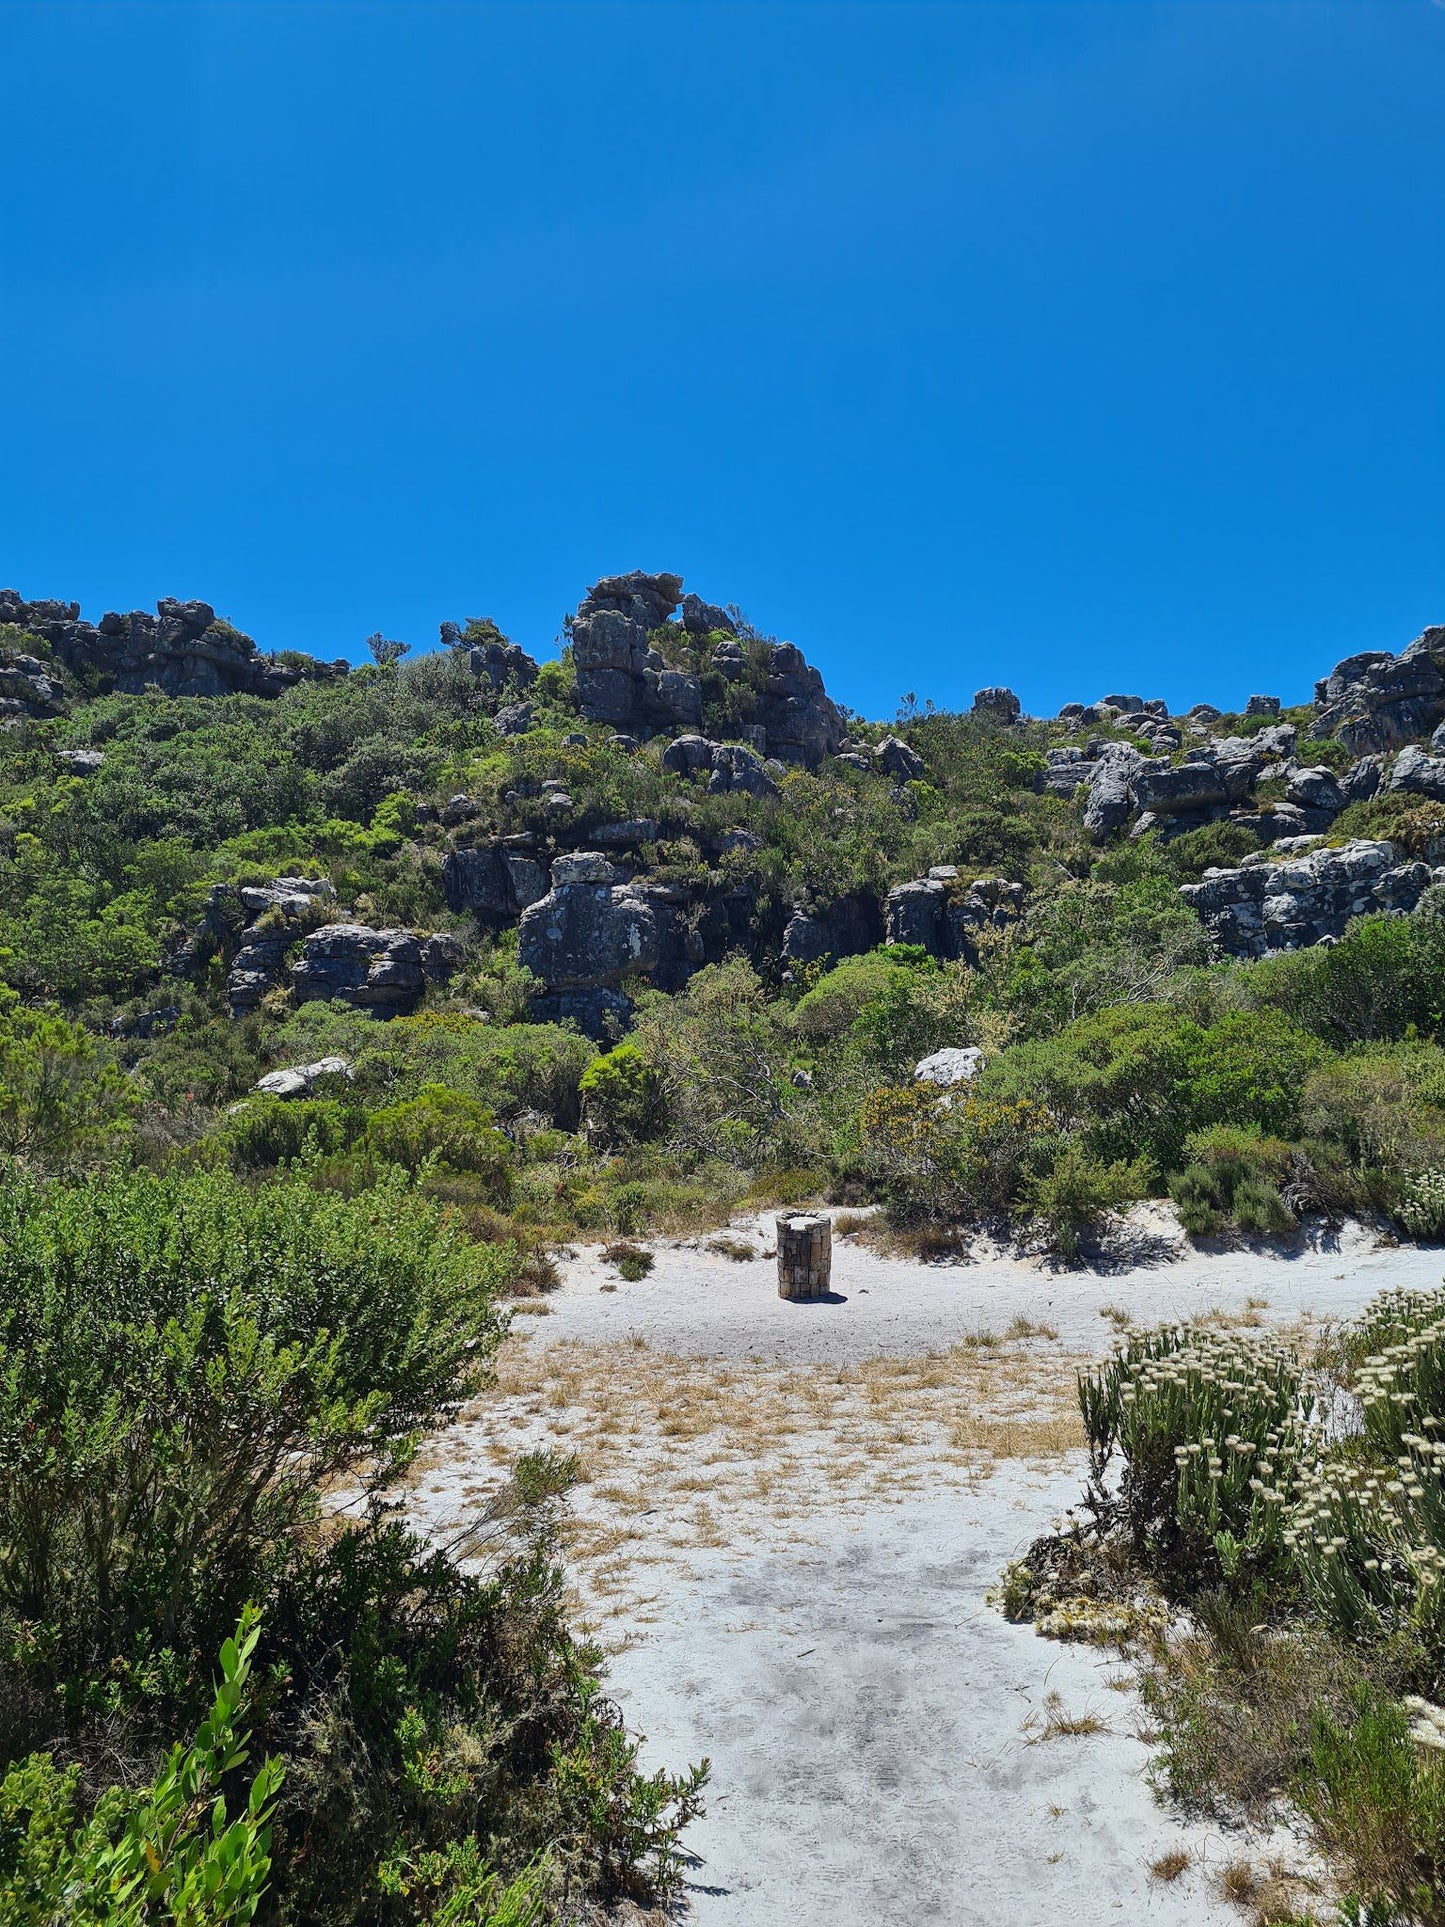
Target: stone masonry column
[805, 1255]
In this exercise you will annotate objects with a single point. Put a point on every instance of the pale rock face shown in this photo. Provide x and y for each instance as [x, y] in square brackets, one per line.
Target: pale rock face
[949, 1067]
[1287, 900]
[299, 1079]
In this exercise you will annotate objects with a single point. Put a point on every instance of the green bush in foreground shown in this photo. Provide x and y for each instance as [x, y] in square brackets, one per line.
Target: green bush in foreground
[166, 1852]
[205, 1391]
[185, 1363]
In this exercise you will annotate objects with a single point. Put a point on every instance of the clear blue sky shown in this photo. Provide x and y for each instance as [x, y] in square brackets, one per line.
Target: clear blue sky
[1075, 346]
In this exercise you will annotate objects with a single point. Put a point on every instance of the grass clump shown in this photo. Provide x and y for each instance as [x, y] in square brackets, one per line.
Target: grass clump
[633, 1262]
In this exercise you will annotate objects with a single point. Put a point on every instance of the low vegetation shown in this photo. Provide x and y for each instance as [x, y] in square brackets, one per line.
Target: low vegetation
[1287, 1514]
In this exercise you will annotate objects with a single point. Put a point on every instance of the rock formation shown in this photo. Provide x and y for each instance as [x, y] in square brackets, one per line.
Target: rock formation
[1283, 901]
[495, 881]
[1376, 701]
[621, 679]
[299, 1080]
[182, 649]
[946, 916]
[384, 971]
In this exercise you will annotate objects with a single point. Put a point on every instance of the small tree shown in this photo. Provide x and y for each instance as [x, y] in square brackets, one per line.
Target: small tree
[385, 651]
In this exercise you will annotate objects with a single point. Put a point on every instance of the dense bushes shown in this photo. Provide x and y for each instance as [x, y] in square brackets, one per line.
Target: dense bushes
[194, 1375]
[186, 1364]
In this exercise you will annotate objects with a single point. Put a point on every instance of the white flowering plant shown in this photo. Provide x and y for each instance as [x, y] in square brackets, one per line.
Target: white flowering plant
[1210, 1427]
[1421, 1206]
[1367, 1532]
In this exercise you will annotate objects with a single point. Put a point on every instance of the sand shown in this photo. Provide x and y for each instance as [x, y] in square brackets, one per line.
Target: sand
[789, 1519]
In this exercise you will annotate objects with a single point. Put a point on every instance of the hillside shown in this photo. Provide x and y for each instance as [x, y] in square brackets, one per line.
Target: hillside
[620, 938]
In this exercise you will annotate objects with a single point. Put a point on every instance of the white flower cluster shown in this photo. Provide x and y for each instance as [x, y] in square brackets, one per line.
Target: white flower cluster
[1427, 1727]
[1422, 1208]
[1370, 1535]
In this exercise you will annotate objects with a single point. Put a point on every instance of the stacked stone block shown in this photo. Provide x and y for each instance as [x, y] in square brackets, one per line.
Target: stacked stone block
[805, 1256]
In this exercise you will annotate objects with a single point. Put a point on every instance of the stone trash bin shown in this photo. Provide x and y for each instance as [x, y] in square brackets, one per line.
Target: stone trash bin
[805, 1255]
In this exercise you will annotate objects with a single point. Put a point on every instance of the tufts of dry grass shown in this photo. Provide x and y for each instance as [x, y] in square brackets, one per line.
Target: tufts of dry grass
[1060, 1724]
[1169, 1866]
[678, 1453]
[740, 1250]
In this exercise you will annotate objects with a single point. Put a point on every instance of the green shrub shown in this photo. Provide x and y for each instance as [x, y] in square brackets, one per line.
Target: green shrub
[185, 1363]
[267, 1131]
[162, 1852]
[1232, 1174]
[620, 1094]
[61, 1093]
[633, 1262]
[444, 1125]
[1375, 1801]
[1212, 846]
[1076, 1193]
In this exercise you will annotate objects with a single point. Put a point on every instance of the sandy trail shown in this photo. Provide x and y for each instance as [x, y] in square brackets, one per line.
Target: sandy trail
[789, 1518]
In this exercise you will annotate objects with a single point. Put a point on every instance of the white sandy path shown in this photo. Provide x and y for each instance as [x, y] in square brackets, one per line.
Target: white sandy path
[697, 1302]
[864, 1709]
[866, 1714]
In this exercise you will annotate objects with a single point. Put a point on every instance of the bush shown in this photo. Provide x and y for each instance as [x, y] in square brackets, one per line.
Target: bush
[1421, 1209]
[1077, 1192]
[633, 1262]
[444, 1125]
[1210, 1428]
[1375, 1800]
[620, 1095]
[1232, 1174]
[1368, 1528]
[163, 1852]
[61, 1094]
[187, 1366]
[184, 1364]
[267, 1131]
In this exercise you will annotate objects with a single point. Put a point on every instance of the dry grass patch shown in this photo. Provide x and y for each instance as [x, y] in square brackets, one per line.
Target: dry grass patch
[686, 1452]
[1169, 1866]
[1060, 1724]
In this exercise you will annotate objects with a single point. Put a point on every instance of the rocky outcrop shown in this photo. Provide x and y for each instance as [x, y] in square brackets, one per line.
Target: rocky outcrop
[501, 663]
[495, 881]
[1110, 784]
[899, 760]
[591, 930]
[384, 971]
[844, 928]
[623, 681]
[182, 650]
[730, 766]
[800, 724]
[701, 618]
[299, 1080]
[28, 687]
[280, 913]
[1286, 901]
[945, 916]
[999, 704]
[620, 679]
[949, 1067]
[1417, 774]
[1376, 701]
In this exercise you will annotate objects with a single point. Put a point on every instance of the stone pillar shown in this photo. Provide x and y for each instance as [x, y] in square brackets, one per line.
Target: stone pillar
[805, 1255]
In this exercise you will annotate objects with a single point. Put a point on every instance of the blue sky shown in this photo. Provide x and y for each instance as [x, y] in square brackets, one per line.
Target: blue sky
[1073, 346]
